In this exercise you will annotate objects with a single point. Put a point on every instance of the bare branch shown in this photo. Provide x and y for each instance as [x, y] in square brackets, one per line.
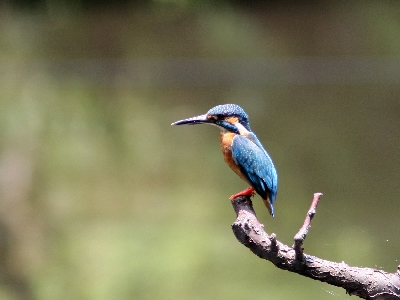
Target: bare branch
[366, 283]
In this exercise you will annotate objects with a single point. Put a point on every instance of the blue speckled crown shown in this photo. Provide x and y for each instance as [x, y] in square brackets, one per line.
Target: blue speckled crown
[231, 110]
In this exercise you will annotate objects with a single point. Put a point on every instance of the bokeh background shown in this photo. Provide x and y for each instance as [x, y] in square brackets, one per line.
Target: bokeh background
[100, 198]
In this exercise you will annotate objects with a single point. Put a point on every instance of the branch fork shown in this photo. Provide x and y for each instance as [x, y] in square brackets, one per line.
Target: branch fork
[366, 283]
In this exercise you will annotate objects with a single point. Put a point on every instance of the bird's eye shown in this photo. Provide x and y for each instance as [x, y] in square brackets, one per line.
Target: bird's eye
[220, 117]
[212, 117]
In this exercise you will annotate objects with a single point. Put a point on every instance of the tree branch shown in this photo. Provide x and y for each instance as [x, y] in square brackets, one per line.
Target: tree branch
[366, 283]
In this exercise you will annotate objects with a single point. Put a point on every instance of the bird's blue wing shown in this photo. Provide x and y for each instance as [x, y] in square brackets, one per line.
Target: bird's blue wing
[256, 165]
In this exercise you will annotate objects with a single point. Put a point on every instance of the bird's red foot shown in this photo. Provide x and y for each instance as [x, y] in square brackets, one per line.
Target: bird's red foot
[247, 192]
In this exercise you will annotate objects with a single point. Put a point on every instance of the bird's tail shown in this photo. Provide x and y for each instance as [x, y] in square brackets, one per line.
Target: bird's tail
[269, 206]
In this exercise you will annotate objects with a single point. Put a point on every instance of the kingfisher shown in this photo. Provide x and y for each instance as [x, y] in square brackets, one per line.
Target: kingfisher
[242, 151]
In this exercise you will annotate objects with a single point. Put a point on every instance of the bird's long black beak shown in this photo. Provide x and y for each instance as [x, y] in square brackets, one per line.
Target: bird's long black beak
[194, 120]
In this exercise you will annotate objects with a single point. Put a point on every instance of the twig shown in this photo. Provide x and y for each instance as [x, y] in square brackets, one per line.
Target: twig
[302, 234]
[366, 283]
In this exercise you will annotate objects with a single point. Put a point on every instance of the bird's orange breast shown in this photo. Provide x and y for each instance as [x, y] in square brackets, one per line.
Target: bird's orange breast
[226, 139]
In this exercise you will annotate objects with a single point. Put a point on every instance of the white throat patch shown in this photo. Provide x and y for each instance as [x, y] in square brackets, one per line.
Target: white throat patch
[242, 130]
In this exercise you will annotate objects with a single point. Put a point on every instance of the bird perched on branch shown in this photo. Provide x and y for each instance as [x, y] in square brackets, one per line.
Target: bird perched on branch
[242, 151]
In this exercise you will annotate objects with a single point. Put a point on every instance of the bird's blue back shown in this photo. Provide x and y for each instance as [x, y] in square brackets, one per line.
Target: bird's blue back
[256, 165]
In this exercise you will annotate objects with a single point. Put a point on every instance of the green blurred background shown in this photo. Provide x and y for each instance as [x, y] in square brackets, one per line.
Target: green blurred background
[100, 198]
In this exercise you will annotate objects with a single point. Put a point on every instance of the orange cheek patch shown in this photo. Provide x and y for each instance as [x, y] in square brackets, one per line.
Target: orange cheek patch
[232, 120]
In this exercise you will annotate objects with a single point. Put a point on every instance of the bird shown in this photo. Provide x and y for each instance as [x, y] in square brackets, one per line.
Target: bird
[242, 151]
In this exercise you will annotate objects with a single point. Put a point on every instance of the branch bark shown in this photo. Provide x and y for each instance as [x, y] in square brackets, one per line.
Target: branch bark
[366, 283]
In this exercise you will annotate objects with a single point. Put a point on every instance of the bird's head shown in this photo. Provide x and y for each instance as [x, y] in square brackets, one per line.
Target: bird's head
[227, 116]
